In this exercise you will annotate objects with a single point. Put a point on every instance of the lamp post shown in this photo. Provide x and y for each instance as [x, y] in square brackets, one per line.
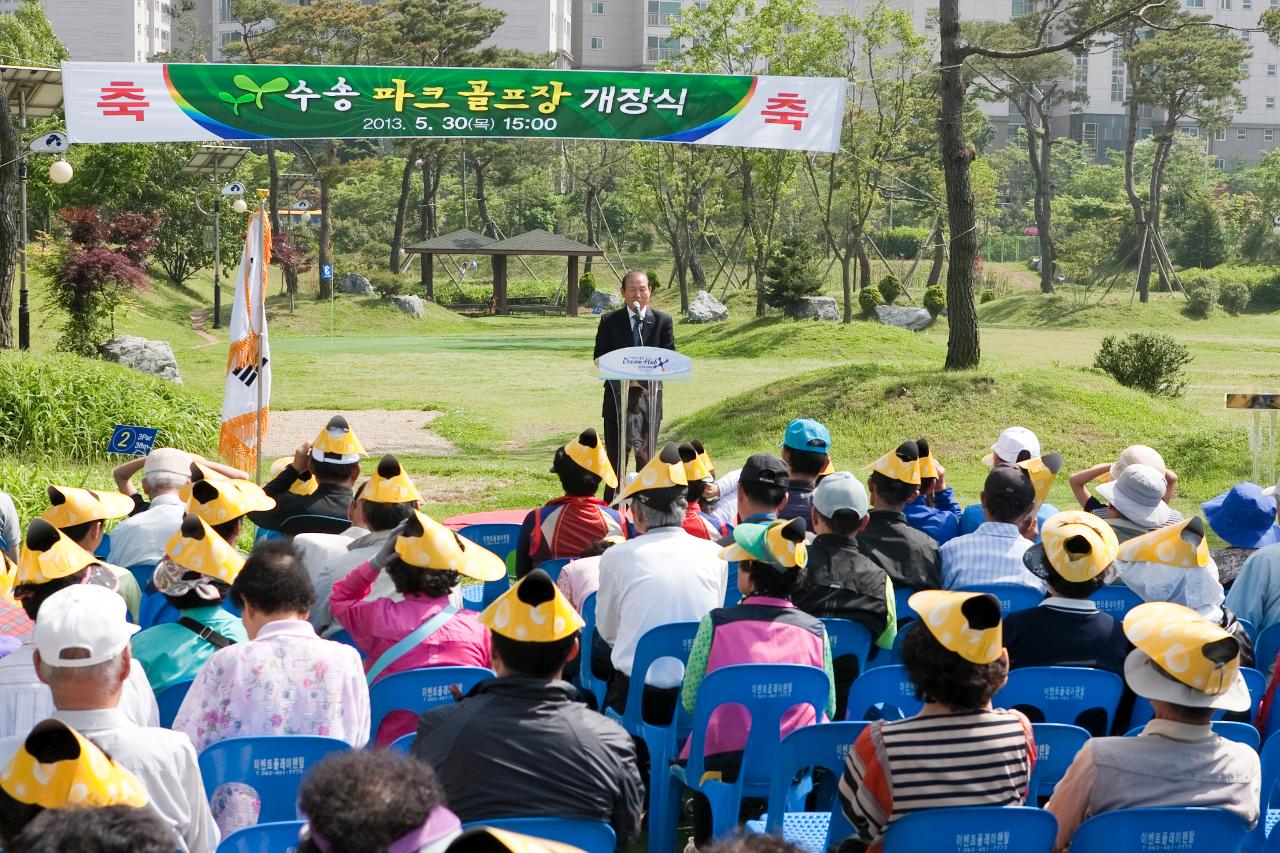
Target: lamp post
[218, 160]
[60, 172]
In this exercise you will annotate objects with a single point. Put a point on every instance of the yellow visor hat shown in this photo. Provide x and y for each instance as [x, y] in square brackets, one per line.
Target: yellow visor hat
[1078, 545]
[390, 484]
[901, 464]
[1182, 546]
[8, 577]
[305, 484]
[220, 501]
[533, 611]
[337, 443]
[487, 839]
[58, 768]
[587, 451]
[967, 623]
[664, 471]
[1042, 470]
[69, 506]
[425, 543]
[197, 548]
[779, 543]
[697, 464]
[1197, 662]
[48, 554]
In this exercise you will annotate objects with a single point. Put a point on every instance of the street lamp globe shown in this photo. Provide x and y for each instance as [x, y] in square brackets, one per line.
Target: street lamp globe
[305, 217]
[239, 205]
[60, 171]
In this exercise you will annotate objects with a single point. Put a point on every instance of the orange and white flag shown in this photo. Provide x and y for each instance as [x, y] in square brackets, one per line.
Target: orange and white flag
[247, 395]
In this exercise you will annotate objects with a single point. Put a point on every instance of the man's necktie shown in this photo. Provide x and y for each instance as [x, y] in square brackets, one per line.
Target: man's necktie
[635, 330]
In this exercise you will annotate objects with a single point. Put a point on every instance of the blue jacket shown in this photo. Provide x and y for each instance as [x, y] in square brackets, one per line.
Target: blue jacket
[941, 521]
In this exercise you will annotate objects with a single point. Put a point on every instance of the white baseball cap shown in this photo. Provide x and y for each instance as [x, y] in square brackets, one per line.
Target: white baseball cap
[840, 490]
[1011, 444]
[1136, 454]
[83, 618]
[168, 460]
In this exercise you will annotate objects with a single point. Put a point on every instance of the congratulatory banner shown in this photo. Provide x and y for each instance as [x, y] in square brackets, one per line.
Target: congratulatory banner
[152, 102]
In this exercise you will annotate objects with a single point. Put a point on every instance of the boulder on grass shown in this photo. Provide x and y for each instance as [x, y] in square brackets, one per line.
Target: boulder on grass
[154, 357]
[604, 300]
[814, 308]
[412, 305]
[904, 317]
[353, 282]
[705, 308]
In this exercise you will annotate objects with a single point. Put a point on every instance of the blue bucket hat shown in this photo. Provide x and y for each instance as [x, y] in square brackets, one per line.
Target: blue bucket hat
[1243, 516]
[807, 434]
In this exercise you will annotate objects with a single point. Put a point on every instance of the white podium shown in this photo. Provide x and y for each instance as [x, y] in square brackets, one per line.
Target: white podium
[648, 365]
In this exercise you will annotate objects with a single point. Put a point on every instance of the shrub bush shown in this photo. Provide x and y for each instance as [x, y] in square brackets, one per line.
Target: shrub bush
[986, 296]
[868, 298]
[903, 241]
[793, 272]
[1202, 295]
[890, 289]
[586, 287]
[390, 284]
[935, 299]
[654, 281]
[1266, 295]
[1233, 297]
[1148, 361]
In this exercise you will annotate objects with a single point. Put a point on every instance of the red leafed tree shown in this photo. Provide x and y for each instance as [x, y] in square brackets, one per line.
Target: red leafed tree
[101, 261]
[291, 252]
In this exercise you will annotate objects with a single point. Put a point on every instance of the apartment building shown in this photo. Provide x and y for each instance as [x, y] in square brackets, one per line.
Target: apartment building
[108, 30]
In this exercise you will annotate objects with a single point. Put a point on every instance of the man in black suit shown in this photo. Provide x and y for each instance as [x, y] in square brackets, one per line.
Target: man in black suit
[634, 324]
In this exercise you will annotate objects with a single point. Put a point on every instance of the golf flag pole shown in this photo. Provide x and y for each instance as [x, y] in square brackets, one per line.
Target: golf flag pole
[246, 397]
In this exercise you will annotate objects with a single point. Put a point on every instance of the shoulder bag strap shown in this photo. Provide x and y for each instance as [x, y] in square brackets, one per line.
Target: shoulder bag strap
[414, 638]
[205, 633]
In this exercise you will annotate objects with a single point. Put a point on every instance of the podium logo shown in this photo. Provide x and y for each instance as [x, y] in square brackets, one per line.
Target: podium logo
[650, 363]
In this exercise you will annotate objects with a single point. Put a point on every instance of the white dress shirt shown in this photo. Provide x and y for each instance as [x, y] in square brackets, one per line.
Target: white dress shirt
[315, 550]
[10, 532]
[991, 554]
[661, 577]
[141, 538]
[725, 509]
[25, 700]
[164, 762]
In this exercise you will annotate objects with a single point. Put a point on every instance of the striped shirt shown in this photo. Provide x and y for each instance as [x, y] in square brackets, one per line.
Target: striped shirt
[934, 761]
[989, 555]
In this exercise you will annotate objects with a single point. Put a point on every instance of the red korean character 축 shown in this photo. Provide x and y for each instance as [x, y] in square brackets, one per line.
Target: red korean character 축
[785, 108]
[122, 98]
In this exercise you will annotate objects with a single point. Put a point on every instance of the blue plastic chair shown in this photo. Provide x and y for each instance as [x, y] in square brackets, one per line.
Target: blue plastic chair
[1262, 835]
[346, 639]
[586, 678]
[501, 539]
[170, 700]
[904, 611]
[893, 655]
[1250, 629]
[419, 690]
[403, 744]
[1197, 830]
[1013, 597]
[279, 837]
[989, 829]
[849, 638]
[1255, 680]
[593, 836]
[1062, 693]
[142, 573]
[885, 692]
[1116, 600]
[767, 692]
[554, 567]
[478, 596]
[103, 551]
[262, 534]
[1056, 747]
[273, 766]
[1266, 648]
[805, 749]
[1234, 731]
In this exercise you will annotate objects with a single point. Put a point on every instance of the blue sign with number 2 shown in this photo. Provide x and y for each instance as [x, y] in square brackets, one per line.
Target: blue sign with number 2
[132, 440]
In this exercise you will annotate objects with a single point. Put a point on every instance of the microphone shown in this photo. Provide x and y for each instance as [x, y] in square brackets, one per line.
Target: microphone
[639, 310]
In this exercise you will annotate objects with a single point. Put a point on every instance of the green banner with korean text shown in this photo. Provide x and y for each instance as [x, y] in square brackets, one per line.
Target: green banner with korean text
[154, 102]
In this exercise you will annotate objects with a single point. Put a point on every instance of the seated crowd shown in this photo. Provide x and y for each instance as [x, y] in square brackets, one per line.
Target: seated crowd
[350, 582]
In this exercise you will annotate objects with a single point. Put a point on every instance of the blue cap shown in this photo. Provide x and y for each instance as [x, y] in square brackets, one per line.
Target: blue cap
[807, 434]
[1243, 516]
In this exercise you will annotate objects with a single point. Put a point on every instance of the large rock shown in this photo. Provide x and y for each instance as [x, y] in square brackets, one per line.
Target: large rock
[155, 357]
[705, 308]
[904, 317]
[604, 300]
[353, 282]
[413, 305]
[814, 308]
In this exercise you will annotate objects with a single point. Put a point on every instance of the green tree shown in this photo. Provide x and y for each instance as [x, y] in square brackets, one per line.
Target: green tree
[1202, 242]
[792, 272]
[26, 38]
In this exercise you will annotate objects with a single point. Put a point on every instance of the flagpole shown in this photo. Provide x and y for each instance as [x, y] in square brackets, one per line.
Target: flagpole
[262, 327]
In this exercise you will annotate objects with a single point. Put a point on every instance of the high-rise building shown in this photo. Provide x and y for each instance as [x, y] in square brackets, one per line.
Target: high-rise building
[108, 30]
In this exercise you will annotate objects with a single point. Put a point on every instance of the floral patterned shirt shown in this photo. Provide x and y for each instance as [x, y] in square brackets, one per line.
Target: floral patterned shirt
[286, 681]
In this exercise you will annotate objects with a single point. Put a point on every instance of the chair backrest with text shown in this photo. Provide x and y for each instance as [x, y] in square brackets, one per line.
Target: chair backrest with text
[419, 690]
[989, 829]
[1192, 830]
[272, 765]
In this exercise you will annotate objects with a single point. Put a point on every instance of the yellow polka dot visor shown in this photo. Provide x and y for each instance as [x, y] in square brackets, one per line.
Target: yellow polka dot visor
[930, 468]
[895, 467]
[58, 768]
[390, 484]
[337, 443]
[305, 484]
[533, 611]
[220, 501]
[48, 554]
[1043, 470]
[1079, 545]
[699, 469]
[1181, 546]
[8, 575]
[661, 472]
[779, 543]
[196, 547]
[1184, 645]
[967, 623]
[427, 544]
[69, 506]
[588, 451]
[486, 839]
